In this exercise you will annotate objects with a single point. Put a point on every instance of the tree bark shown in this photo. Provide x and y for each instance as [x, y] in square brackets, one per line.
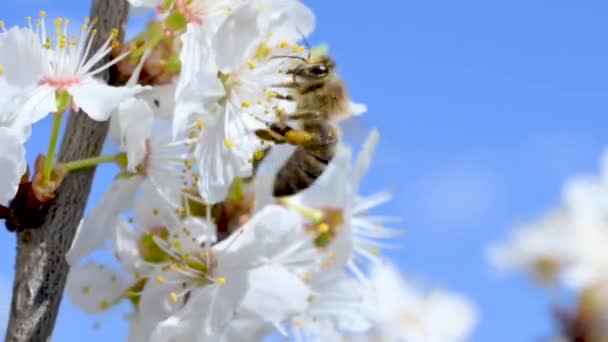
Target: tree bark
[41, 269]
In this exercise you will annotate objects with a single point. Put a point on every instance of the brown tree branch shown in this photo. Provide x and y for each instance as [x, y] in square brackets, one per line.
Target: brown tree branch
[41, 269]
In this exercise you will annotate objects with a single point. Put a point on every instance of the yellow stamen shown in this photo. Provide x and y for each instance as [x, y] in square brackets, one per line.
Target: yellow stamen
[86, 290]
[259, 154]
[160, 279]
[200, 124]
[1, 69]
[42, 14]
[323, 228]
[245, 104]
[155, 211]
[174, 297]
[104, 305]
[114, 32]
[28, 19]
[251, 64]
[283, 44]
[221, 280]
[229, 143]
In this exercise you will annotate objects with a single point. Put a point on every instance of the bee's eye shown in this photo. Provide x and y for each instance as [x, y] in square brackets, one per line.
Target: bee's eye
[319, 70]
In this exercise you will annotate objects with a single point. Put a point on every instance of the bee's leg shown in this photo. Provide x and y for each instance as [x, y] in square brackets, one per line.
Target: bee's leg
[284, 97]
[289, 85]
[298, 137]
[270, 135]
[303, 115]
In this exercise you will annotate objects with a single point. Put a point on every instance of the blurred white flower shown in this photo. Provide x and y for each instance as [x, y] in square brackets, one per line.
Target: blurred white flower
[542, 248]
[405, 312]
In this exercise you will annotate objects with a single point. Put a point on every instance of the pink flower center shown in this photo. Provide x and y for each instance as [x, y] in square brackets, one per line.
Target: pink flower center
[191, 15]
[62, 83]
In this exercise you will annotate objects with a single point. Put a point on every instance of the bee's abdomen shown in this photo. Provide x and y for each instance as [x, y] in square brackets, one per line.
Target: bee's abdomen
[299, 172]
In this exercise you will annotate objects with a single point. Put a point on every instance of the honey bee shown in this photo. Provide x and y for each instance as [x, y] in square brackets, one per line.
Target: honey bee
[321, 102]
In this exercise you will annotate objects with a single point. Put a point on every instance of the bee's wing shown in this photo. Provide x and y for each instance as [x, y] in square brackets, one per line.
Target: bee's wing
[354, 130]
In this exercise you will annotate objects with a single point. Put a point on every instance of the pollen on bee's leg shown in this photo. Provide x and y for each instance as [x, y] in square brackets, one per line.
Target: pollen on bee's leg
[298, 137]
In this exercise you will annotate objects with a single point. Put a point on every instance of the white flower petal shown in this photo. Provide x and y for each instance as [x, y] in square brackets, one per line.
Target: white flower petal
[126, 245]
[98, 99]
[235, 38]
[93, 287]
[155, 299]
[287, 296]
[24, 60]
[193, 100]
[196, 56]
[145, 3]
[39, 103]
[135, 118]
[151, 209]
[357, 108]
[364, 158]
[219, 164]
[161, 99]
[288, 20]
[12, 159]
[97, 227]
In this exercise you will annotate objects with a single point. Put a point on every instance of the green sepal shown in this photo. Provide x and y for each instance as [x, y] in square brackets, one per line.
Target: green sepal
[176, 22]
[62, 100]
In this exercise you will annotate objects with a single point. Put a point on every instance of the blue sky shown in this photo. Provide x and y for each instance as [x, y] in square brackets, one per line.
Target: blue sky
[485, 109]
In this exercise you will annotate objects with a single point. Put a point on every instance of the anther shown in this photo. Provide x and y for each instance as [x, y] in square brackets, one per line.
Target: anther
[104, 305]
[174, 297]
[323, 228]
[42, 14]
[221, 280]
[228, 143]
[160, 279]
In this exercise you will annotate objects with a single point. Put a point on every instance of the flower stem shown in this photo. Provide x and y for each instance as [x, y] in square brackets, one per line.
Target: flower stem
[155, 36]
[90, 162]
[50, 155]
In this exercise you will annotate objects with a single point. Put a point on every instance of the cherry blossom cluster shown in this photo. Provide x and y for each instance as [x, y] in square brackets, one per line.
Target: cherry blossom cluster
[566, 248]
[201, 248]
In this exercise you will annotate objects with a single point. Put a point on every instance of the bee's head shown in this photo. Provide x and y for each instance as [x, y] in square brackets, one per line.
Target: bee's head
[316, 69]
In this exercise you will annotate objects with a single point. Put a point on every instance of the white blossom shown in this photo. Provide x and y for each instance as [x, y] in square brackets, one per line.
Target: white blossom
[214, 283]
[51, 70]
[406, 312]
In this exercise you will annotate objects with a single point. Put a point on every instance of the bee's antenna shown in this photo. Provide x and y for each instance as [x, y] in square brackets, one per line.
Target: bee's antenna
[290, 56]
[306, 42]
